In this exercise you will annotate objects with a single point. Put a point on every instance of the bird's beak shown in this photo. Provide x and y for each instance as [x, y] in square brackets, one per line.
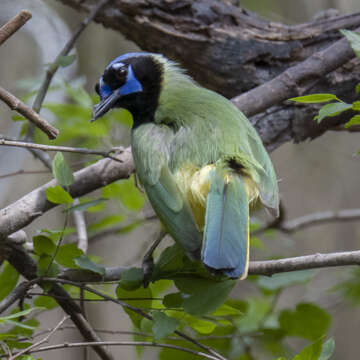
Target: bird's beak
[105, 105]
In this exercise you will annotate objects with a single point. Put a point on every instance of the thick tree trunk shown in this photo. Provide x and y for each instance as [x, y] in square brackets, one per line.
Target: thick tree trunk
[232, 51]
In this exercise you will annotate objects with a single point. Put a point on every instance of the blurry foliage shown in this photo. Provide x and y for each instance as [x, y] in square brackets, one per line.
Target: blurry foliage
[182, 295]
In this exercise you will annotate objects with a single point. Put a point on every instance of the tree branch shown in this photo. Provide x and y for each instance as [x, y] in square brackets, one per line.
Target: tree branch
[16, 104]
[14, 25]
[34, 204]
[232, 51]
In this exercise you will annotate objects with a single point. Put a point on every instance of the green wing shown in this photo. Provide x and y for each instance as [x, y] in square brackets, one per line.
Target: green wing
[151, 151]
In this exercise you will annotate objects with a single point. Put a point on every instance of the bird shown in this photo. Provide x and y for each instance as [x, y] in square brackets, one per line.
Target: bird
[200, 161]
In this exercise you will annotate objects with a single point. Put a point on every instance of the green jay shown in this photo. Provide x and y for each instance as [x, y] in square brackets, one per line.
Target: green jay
[200, 161]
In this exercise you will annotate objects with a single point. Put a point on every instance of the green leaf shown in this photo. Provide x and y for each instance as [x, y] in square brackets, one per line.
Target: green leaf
[163, 325]
[140, 298]
[66, 255]
[8, 279]
[43, 245]
[79, 95]
[355, 120]
[311, 352]
[106, 222]
[226, 310]
[205, 295]
[356, 105]
[170, 260]
[327, 349]
[45, 269]
[16, 315]
[280, 281]
[126, 192]
[332, 110]
[173, 300]
[86, 205]
[18, 117]
[58, 195]
[357, 88]
[201, 326]
[61, 170]
[131, 279]
[307, 320]
[257, 309]
[46, 302]
[354, 39]
[66, 60]
[315, 98]
[83, 262]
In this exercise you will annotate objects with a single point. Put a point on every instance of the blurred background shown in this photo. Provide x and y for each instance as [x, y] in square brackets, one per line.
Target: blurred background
[314, 176]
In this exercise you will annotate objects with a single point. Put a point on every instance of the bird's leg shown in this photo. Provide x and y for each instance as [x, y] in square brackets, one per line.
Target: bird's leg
[148, 261]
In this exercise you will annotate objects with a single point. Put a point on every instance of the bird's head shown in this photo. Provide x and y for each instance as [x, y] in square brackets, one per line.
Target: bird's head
[132, 81]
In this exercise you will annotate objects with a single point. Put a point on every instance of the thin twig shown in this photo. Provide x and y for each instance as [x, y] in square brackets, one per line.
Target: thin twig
[124, 343]
[70, 149]
[14, 25]
[24, 172]
[16, 104]
[42, 341]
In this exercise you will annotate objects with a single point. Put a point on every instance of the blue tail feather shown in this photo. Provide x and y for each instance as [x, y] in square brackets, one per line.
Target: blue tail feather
[226, 234]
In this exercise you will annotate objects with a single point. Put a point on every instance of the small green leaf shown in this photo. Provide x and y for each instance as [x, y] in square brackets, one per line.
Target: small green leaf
[140, 298]
[315, 98]
[201, 326]
[354, 39]
[131, 279]
[311, 352]
[66, 60]
[18, 117]
[307, 320]
[47, 267]
[355, 120]
[163, 325]
[17, 314]
[66, 255]
[43, 245]
[8, 280]
[327, 349]
[205, 295]
[356, 105]
[226, 310]
[83, 262]
[106, 222]
[280, 281]
[126, 192]
[174, 300]
[357, 88]
[86, 205]
[61, 170]
[332, 110]
[58, 195]
[46, 302]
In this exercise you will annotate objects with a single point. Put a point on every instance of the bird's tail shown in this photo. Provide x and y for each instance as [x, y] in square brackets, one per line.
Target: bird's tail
[225, 246]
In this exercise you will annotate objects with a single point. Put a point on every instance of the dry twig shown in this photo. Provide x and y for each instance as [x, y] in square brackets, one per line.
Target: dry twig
[14, 25]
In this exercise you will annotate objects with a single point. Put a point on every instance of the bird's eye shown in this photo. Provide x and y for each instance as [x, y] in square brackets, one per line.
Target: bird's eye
[97, 88]
[121, 73]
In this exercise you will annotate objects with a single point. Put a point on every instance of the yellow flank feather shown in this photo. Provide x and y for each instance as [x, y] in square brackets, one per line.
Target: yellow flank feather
[194, 183]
